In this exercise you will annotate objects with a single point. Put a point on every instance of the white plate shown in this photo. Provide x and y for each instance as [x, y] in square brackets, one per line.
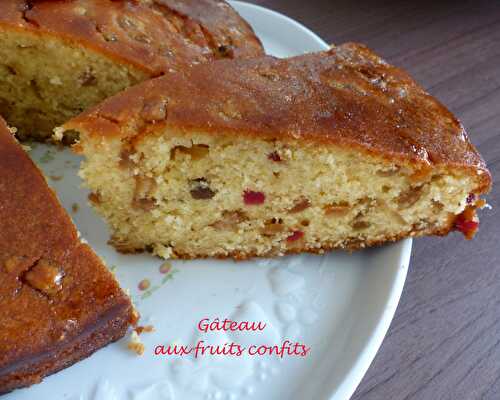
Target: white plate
[340, 305]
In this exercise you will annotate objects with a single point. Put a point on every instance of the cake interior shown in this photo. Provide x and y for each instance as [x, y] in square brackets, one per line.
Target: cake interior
[44, 81]
[220, 195]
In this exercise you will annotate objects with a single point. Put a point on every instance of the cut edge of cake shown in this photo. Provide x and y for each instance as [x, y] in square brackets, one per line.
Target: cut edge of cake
[135, 202]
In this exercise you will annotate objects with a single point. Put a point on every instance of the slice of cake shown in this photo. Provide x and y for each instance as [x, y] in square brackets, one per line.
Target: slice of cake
[59, 57]
[266, 157]
[58, 302]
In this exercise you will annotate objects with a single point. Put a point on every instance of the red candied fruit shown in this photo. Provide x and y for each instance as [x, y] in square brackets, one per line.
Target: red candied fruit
[274, 156]
[467, 226]
[297, 235]
[252, 198]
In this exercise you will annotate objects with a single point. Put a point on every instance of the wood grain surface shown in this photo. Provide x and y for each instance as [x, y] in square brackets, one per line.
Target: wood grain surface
[444, 342]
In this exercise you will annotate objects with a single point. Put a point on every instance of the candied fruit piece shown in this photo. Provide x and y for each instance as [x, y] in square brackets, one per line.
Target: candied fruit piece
[274, 156]
[470, 198]
[252, 198]
[95, 198]
[196, 151]
[230, 220]
[437, 205]
[144, 204]
[144, 187]
[200, 189]
[45, 277]
[468, 228]
[338, 209]
[360, 225]
[466, 223]
[297, 235]
[300, 205]
[409, 197]
[273, 227]
[480, 203]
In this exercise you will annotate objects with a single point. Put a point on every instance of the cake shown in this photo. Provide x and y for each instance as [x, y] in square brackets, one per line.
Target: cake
[265, 157]
[58, 302]
[59, 57]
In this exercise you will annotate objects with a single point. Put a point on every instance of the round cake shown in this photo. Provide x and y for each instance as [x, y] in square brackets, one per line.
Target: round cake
[57, 58]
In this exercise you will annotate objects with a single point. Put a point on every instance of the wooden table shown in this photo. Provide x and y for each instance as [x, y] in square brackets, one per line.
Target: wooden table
[444, 342]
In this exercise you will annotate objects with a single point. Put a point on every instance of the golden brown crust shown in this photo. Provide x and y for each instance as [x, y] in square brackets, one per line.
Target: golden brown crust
[153, 35]
[347, 96]
[55, 293]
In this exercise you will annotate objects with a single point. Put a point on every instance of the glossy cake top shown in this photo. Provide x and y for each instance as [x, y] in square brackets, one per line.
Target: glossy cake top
[53, 288]
[153, 35]
[347, 95]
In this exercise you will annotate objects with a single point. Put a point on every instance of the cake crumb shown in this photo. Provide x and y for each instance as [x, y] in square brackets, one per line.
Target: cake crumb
[58, 134]
[135, 314]
[135, 344]
[162, 251]
[144, 329]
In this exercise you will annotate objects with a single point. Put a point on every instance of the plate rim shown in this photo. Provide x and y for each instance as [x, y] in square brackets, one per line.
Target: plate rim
[365, 358]
[372, 346]
[280, 16]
